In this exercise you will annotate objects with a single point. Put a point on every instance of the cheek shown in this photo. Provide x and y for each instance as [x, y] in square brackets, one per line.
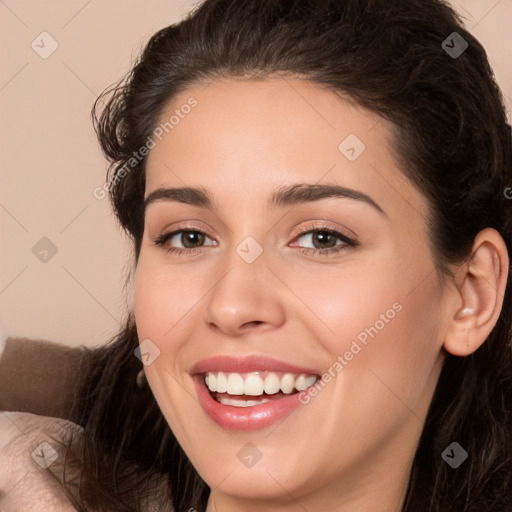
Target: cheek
[398, 369]
[162, 302]
[161, 299]
[381, 331]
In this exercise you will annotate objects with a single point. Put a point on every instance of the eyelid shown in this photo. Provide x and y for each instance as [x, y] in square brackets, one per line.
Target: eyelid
[337, 232]
[353, 238]
[347, 243]
[179, 229]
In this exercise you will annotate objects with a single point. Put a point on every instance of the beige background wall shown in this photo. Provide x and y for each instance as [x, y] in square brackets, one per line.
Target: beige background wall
[50, 160]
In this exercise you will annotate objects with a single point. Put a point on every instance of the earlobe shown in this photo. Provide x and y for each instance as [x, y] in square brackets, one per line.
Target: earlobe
[481, 290]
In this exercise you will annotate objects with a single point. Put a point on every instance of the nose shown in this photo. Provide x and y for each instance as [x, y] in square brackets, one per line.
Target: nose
[245, 297]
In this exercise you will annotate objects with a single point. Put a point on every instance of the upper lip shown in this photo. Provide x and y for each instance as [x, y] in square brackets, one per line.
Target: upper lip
[230, 364]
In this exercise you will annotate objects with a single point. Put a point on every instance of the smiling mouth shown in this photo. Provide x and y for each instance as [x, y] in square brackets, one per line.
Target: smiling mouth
[254, 388]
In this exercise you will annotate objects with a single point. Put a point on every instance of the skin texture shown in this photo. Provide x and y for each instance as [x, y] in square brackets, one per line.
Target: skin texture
[25, 485]
[351, 447]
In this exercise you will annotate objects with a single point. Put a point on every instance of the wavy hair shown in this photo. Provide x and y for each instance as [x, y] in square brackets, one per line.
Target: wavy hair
[453, 142]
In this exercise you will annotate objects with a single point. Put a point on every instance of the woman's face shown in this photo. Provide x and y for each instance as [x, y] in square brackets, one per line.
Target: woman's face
[264, 288]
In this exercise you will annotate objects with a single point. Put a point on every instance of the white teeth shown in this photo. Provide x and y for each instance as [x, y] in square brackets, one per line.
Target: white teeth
[287, 383]
[252, 384]
[308, 382]
[272, 384]
[300, 383]
[235, 384]
[221, 385]
[242, 403]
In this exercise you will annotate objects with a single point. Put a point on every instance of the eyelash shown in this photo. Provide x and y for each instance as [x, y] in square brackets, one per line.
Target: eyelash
[347, 242]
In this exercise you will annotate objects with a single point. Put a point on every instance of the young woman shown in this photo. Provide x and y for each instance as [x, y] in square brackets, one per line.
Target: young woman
[317, 196]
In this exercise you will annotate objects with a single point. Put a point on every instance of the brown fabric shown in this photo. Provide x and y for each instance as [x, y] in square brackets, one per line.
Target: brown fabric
[42, 377]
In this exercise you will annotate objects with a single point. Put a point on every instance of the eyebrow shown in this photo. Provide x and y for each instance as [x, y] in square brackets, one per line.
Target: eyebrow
[283, 196]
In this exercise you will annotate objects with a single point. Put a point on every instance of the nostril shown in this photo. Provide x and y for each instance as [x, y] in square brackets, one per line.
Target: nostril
[253, 323]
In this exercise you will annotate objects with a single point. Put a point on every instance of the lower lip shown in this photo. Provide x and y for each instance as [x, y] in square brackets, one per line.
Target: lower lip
[245, 418]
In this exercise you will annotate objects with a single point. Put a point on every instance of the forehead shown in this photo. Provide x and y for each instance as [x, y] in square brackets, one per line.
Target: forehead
[243, 117]
[252, 135]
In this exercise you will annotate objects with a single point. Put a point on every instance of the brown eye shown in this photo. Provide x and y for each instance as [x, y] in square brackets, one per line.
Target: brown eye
[325, 241]
[190, 239]
[182, 240]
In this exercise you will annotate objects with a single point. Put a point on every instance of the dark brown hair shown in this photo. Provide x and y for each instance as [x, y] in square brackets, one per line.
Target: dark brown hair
[453, 142]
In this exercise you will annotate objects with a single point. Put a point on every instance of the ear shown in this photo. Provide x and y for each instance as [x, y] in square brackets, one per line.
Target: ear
[482, 282]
